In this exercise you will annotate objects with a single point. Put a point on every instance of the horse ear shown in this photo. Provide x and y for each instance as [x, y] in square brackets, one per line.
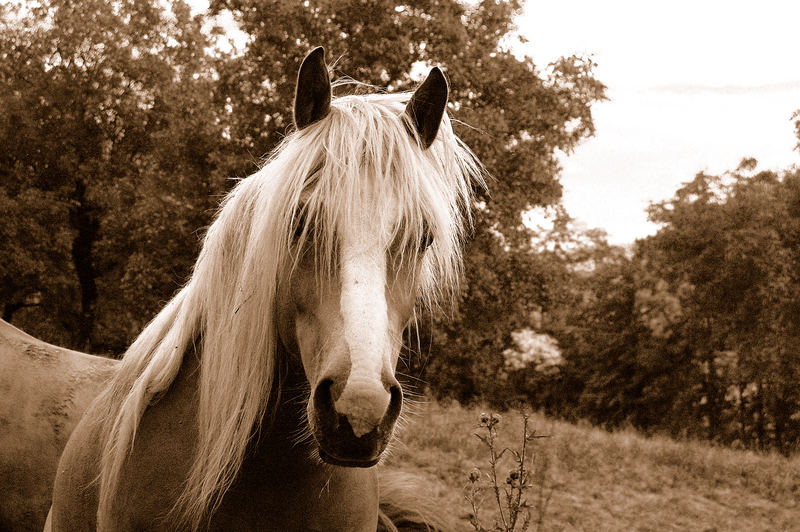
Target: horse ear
[427, 105]
[312, 97]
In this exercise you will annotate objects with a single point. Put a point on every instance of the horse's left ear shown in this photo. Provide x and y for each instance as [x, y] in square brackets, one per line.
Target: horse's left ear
[312, 97]
[427, 105]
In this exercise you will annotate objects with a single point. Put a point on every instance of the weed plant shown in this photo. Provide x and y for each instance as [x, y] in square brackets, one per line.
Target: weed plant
[520, 500]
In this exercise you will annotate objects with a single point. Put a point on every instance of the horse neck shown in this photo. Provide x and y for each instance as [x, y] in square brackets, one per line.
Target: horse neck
[277, 474]
[277, 435]
[285, 420]
[280, 471]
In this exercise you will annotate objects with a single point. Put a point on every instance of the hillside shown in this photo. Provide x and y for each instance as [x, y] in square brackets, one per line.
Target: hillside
[607, 481]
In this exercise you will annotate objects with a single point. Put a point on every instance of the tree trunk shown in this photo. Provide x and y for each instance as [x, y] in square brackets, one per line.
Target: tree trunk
[9, 309]
[712, 398]
[85, 223]
[743, 436]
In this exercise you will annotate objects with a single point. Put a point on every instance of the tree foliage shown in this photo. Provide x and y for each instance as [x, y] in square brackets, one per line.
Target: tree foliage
[110, 143]
[125, 122]
[696, 333]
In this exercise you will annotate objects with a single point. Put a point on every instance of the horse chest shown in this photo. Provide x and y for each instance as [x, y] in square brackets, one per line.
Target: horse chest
[300, 498]
[276, 502]
[279, 486]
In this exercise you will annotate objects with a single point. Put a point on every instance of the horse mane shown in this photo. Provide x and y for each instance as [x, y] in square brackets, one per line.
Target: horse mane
[228, 306]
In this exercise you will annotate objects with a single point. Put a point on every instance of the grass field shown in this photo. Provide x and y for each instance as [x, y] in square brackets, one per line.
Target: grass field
[595, 480]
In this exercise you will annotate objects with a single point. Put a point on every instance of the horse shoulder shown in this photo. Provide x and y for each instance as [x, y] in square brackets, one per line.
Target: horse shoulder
[153, 472]
[74, 505]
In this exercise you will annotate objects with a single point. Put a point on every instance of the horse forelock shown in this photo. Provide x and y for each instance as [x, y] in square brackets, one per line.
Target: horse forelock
[323, 174]
[361, 156]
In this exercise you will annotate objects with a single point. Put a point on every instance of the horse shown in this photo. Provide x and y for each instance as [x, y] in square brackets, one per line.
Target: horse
[263, 395]
[44, 391]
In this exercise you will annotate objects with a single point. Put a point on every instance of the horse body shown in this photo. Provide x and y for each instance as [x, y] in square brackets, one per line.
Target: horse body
[44, 391]
[262, 396]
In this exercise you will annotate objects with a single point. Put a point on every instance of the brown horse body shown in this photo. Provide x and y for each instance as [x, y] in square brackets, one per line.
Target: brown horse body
[44, 391]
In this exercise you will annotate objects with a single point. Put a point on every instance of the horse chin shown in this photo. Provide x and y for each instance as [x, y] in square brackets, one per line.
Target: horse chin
[343, 448]
[351, 452]
[347, 462]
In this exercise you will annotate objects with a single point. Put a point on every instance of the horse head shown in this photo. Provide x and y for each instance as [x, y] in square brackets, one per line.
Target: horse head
[346, 326]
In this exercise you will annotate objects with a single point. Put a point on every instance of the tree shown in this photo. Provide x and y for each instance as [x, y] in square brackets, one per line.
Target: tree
[726, 236]
[108, 109]
[126, 121]
[697, 333]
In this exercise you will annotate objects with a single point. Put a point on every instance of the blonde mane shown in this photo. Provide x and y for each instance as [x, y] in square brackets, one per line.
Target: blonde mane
[228, 305]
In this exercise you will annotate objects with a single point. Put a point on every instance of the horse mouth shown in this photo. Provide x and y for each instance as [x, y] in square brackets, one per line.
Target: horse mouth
[343, 448]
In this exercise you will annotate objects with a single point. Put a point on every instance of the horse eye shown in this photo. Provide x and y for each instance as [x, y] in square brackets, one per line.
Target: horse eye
[299, 223]
[427, 239]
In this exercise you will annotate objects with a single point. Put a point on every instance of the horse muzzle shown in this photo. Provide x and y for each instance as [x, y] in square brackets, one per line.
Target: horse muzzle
[356, 433]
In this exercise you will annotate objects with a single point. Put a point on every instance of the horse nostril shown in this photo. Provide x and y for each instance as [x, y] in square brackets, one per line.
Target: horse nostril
[323, 402]
[322, 395]
[395, 403]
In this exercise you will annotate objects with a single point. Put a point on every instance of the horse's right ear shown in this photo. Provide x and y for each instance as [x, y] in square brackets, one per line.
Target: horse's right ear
[312, 97]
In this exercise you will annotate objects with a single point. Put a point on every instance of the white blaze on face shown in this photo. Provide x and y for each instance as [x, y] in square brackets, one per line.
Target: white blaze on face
[364, 399]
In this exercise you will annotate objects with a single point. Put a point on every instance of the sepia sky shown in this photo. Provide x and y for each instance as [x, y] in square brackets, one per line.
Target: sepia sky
[694, 85]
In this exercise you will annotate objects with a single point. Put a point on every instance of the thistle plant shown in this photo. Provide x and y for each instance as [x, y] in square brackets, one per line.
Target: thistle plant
[510, 496]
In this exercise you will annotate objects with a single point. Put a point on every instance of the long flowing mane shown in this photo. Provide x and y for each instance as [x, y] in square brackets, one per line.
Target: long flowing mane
[228, 306]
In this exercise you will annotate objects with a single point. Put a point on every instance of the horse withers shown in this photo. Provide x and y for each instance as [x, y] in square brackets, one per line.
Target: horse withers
[264, 393]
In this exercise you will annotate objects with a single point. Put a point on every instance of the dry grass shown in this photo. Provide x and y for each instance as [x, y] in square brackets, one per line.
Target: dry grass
[608, 481]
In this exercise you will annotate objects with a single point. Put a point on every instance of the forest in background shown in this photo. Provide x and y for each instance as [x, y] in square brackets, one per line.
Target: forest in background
[695, 332]
[125, 122]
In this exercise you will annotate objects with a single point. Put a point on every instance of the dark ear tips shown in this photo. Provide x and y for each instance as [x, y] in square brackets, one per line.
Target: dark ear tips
[312, 98]
[427, 106]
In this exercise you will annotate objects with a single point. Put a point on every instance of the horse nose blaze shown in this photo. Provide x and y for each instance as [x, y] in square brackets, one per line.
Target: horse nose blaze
[358, 400]
[364, 403]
